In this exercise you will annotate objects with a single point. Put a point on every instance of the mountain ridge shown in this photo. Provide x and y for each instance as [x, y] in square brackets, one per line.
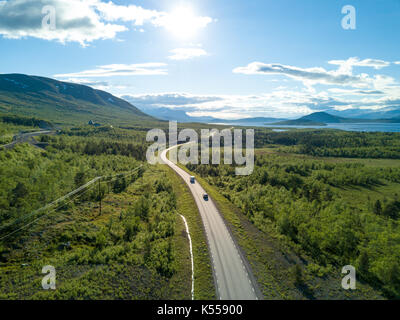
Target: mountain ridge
[167, 114]
[324, 118]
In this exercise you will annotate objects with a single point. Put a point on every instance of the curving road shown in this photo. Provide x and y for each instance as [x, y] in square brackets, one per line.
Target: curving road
[25, 138]
[230, 272]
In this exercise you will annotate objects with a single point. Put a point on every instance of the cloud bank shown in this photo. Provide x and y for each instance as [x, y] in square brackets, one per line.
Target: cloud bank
[157, 100]
[309, 75]
[81, 21]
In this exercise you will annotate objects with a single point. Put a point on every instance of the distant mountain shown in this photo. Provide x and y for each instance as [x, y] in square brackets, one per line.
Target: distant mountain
[64, 102]
[182, 116]
[323, 118]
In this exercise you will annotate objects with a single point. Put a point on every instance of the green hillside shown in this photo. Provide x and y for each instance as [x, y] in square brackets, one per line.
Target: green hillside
[64, 103]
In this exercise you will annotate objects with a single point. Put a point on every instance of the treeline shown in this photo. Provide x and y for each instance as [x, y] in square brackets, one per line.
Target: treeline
[25, 121]
[109, 132]
[375, 152]
[334, 143]
[137, 151]
[96, 146]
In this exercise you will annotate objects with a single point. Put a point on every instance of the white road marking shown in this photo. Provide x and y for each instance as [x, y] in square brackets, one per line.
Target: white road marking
[191, 252]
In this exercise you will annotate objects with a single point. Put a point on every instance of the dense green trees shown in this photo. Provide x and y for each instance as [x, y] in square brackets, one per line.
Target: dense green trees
[141, 235]
[24, 121]
[142, 208]
[378, 207]
[31, 178]
[303, 199]
[334, 143]
[392, 210]
[119, 184]
[79, 179]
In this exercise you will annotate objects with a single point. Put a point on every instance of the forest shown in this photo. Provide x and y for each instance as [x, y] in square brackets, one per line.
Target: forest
[337, 210]
[24, 121]
[327, 194]
[119, 238]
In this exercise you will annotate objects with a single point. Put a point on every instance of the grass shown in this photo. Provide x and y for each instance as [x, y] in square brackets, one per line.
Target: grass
[365, 198]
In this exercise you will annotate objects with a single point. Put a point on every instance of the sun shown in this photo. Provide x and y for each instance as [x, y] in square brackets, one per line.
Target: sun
[183, 23]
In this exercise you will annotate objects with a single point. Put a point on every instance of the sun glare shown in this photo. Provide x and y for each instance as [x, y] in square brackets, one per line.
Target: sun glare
[182, 22]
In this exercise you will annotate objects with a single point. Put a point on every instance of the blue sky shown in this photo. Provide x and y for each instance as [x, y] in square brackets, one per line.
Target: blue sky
[229, 59]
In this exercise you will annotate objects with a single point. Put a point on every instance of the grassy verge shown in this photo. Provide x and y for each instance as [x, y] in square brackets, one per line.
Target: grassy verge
[186, 206]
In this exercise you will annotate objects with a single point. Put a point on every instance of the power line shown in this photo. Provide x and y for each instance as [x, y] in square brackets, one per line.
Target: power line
[37, 219]
[72, 193]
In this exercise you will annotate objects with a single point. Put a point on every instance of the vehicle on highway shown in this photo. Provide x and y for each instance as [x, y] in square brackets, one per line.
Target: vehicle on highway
[192, 180]
[205, 197]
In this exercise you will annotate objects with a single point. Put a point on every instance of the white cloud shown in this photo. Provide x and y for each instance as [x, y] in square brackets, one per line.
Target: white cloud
[307, 75]
[182, 17]
[119, 70]
[343, 76]
[187, 53]
[87, 82]
[76, 21]
[111, 12]
[169, 99]
[345, 91]
[346, 66]
[356, 92]
[81, 21]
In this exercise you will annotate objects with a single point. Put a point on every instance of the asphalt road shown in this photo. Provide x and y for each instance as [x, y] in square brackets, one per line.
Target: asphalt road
[24, 138]
[230, 271]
